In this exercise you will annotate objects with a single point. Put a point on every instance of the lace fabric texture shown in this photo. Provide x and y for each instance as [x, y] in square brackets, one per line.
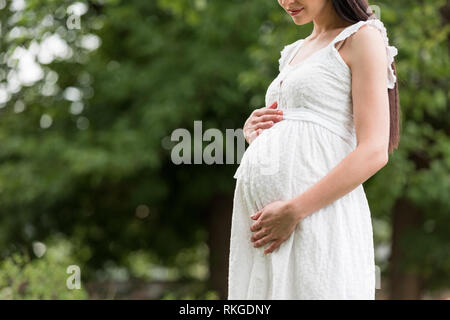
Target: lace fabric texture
[330, 254]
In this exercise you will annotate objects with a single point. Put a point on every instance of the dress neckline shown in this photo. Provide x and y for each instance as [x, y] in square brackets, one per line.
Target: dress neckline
[298, 47]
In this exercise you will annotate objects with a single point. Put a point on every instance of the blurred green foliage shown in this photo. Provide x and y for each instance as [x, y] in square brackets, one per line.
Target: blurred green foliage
[24, 277]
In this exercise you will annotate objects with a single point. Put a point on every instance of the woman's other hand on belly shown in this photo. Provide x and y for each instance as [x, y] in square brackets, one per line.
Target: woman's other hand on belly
[274, 223]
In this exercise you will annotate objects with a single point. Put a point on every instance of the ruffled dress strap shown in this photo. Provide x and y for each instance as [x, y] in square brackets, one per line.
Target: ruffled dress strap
[391, 51]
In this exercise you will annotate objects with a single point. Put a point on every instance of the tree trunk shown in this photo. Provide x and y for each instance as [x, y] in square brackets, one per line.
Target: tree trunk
[219, 229]
[404, 284]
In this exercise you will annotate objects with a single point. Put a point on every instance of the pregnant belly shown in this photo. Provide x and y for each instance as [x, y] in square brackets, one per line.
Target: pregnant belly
[288, 158]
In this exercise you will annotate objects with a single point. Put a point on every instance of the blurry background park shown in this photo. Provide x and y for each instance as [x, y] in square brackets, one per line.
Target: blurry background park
[90, 92]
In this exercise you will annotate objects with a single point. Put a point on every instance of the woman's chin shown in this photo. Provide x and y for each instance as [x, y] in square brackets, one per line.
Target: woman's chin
[300, 21]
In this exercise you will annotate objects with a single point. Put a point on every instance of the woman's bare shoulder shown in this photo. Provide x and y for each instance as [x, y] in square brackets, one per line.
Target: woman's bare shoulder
[365, 45]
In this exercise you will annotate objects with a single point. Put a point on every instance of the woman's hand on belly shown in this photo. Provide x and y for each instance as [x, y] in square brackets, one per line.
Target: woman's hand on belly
[274, 223]
[261, 119]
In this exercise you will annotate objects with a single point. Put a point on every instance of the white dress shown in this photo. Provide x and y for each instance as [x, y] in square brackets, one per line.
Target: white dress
[330, 254]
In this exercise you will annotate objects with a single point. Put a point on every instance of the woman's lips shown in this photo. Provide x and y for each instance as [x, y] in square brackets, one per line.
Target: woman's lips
[295, 12]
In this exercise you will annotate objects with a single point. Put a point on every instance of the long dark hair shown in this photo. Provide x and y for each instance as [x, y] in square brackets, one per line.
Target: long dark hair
[359, 10]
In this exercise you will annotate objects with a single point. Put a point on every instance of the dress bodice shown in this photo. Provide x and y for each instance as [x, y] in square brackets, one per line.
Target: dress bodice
[317, 94]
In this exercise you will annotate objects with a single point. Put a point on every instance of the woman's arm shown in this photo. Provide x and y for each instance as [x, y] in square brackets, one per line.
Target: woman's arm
[367, 60]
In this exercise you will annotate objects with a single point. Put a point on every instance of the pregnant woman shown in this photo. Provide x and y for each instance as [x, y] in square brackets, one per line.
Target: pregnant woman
[301, 226]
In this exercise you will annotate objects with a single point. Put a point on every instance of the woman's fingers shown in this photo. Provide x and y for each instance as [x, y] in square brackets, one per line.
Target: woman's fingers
[256, 215]
[256, 226]
[264, 111]
[256, 121]
[263, 241]
[263, 125]
[264, 122]
[258, 235]
[253, 132]
[271, 108]
[257, 126]
[269, 117]
[273, 246]
[252, 136]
